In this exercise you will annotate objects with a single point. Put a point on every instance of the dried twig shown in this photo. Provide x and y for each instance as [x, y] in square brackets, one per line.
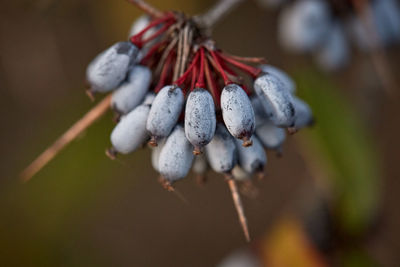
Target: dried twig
[239, 207]
[76, 129]
[235, 79]
[217, 12]
[165, 54]
[179, 56]
[146, 7]
[256, 60]
[377, 54]
[187, 40]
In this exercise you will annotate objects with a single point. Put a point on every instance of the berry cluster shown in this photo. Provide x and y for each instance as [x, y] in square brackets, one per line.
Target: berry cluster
[325, 28]
[187, 99]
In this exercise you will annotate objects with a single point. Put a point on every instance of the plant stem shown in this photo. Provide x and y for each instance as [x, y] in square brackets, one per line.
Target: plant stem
[76, 129]
[239, 208]
[377, 54]
[217, 12]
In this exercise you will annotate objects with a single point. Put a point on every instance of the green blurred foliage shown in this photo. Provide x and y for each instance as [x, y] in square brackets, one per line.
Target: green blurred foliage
[343, 146]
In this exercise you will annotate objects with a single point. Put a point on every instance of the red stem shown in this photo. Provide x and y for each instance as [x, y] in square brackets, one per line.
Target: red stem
[194, 76]
[137, 37]
[219, 68]
[228, 69]
[164, 72]
[212, 85]
[200, 79]
[254, 72]
[157, 33]
[182, 79]
[151, 52]
[233, 73]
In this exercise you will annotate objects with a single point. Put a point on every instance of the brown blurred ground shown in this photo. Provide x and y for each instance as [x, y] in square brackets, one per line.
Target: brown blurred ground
[84, 210]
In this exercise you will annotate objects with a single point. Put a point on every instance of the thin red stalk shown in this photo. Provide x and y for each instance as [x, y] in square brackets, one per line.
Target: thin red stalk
[234, 73]
[254, 72]
[256, 60]
[194, 77]
[164, 72]
[228, 69]
[211, 84]
[151, 52]
[157, 33]
[219, 68]
[168, 79]
[181, 79]
[137, 37]
[200, 79]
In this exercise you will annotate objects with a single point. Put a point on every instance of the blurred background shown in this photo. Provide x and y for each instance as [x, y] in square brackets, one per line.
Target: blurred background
[332, 199]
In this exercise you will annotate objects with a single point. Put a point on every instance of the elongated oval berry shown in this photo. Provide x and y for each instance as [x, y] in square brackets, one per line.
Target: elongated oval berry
[109, 68]
[131, 132]
[260, 114]
[303, 24]
[304, 116]
[176, 156]
[164, 112]
[251, 159]
[271, 137]
[221, 151]
[237, 113]
[273, 96]
[288, 83]
[131, 93]
[200, 119]
[334, 52]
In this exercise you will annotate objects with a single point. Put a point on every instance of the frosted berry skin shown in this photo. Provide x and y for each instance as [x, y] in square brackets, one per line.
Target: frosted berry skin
[176, 156]
[288, 83]
[129, 94]
[139, 24]
[200, 119]
[109, 69]
[164, 112]
[303, 25]
[130, 132]
[270, 136]
[335, 51]
[272, 94]
[238, 113]
[221, 151]
[387, 18]
[304, 116]
[259, 111]
[251, 159]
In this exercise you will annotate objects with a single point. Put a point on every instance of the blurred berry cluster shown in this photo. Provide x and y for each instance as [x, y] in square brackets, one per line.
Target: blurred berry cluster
[192, 102]
[325, 28]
